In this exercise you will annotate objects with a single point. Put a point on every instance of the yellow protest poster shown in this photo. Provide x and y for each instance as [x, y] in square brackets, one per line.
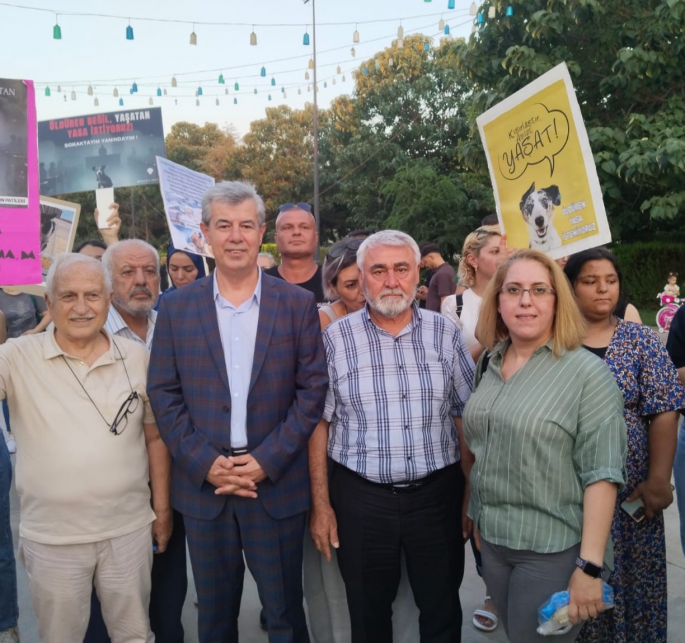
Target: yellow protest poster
[546, 187]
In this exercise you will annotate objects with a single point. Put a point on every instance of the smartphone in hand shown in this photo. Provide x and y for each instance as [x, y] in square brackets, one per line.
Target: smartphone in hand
[635, 509]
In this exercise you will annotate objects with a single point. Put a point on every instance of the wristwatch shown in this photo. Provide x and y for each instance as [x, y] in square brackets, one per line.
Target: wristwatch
[589, 568]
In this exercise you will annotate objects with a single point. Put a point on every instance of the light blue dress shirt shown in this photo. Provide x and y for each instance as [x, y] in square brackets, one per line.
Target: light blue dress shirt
[238, 328]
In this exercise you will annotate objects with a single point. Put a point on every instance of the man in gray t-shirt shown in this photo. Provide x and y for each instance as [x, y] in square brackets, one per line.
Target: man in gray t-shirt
[20, 311]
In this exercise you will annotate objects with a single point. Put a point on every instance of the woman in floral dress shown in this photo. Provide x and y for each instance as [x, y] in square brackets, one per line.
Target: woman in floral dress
[652, 394]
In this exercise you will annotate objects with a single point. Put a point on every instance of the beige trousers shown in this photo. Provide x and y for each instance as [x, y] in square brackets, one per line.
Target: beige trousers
[61, 579]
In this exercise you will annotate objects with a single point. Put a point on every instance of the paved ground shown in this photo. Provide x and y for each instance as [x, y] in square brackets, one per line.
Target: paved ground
[471, 595]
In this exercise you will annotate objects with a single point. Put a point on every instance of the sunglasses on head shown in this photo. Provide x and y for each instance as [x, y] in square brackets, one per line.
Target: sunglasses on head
[342, 247]
[295, 206]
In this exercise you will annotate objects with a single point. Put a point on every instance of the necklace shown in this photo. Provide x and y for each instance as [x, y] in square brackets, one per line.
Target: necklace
[109, 424]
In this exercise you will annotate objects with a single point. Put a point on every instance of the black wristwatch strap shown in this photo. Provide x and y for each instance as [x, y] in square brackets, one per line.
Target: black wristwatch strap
[589, 568]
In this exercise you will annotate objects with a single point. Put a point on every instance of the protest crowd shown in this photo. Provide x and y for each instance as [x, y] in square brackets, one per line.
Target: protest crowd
[344, 429]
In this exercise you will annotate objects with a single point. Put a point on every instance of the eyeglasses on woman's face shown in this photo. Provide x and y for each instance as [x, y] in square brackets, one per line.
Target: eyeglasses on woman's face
[538, 292]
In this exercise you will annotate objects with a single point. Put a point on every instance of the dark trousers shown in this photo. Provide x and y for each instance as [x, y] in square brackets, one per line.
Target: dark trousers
[374, 525]
[169, 589]
[273, 551]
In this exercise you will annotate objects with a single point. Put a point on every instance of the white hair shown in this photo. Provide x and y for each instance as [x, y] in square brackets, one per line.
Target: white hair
[108, 256]
[393, 238]
[63, 261]
[233, 193]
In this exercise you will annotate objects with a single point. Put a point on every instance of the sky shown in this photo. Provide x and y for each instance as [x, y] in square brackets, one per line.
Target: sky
[94, 51]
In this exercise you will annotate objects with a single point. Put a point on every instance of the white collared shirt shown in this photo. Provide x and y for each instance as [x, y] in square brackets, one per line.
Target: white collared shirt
[115, 325]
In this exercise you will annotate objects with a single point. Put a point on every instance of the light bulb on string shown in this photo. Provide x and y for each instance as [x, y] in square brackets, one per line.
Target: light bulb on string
[129, 31]
[193, 36]
[474, 9]
[159, 91]
[355, 35]
[57, 30]
[236, 86]
[199, 91]
[47, 91]
[221, 79]
[305, 38]
[273, 82]
[253, 37]
[262, 73]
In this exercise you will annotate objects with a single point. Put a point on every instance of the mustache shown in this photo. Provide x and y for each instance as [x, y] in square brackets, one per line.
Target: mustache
[392, 291]
[140, 290]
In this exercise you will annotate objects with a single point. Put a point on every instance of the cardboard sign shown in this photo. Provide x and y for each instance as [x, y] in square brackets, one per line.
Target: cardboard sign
[543, 174]
[19, 205]
[112, 149]
[182, 191]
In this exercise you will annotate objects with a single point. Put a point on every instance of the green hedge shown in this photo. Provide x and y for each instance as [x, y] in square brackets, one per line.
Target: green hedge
[645, 268]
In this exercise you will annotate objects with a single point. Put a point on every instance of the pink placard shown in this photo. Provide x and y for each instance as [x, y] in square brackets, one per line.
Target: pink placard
[20, 225]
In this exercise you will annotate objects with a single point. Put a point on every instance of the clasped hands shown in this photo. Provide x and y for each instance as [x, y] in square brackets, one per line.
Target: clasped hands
[236, 475]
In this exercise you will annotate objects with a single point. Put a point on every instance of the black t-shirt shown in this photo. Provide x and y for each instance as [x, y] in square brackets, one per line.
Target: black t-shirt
[313, 285]
[675, 344]
[441, 285]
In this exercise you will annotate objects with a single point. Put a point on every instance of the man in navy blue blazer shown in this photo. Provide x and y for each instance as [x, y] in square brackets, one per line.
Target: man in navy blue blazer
[237, 382]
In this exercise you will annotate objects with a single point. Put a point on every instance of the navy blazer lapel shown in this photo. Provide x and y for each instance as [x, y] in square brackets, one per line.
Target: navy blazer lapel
[210, 326]
[268, 309]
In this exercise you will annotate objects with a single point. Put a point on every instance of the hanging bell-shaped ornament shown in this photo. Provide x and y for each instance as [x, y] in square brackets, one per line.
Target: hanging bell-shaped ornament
[47, 91]
[441, 24]
[355, 36]
[236, 86]
[400, 32]
[59, 88]
[325, 85]
[193, 37]
[333, 81]
[121, 102]
[221, 79]
[226, 90]
[492, 12]
[253, 37]
[343, 78]
[306, 75]
[197, 102]
[311, 63]
[151, 102]
[305, 38]
[353, 51]
[510, 11]
[273, 82]
[481, 18]
[451, 4]
[129, 33]
[164, 92]
[173, 82]
[96, 102]
[255, 90]
[199, 91]
[269, 96]
[134, 87]
[217, 101]
[299, 91]
[73, 95]
[338, 70]
[159, 91]
[235, 101]
[309, 88]
[474, 9]
[90, 90]
[262, 72]
[427, 46]
[115, 93]
[365, 71]
[400, 43]
[447, 30]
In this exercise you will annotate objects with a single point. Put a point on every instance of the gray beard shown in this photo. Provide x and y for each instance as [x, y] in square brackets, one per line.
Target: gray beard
[388, 307]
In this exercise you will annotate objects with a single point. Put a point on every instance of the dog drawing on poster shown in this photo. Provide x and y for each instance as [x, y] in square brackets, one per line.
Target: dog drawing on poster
[538, 208]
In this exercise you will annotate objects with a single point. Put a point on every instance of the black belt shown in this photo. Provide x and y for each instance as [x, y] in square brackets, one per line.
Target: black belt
[411, 486]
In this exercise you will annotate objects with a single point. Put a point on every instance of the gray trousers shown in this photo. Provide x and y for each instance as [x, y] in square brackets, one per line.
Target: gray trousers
[519, 582]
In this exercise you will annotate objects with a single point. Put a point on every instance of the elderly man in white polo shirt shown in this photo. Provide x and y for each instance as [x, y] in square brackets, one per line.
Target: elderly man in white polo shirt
[89, 446]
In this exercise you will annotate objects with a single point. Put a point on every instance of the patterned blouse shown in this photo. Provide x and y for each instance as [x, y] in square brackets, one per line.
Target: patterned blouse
[539, 439]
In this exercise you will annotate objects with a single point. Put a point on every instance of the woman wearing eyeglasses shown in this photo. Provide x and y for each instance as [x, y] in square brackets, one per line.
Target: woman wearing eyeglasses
[324, 588]
[545, 424]
[653, 395]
